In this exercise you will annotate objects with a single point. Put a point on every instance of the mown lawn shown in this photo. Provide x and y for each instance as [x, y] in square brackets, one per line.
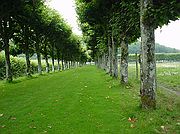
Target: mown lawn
[82, 101]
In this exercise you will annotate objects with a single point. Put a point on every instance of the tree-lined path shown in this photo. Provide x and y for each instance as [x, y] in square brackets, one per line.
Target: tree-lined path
[80, 101]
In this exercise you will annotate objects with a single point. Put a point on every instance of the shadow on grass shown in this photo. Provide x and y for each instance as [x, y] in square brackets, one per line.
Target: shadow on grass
[25, 78]
[21, 79]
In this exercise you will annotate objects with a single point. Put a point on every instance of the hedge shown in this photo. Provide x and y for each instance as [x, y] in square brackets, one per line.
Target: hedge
[175, 57]
[18, 66]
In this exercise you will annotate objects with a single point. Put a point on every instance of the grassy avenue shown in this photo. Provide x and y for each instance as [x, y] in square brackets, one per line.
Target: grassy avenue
[84, 101]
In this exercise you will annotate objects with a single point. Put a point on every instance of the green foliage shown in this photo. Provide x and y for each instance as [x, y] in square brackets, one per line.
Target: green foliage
[99, 19]
[33, 27]
[160, 12]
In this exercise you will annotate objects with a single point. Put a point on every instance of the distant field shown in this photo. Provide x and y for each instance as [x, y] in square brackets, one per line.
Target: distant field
[168, 74]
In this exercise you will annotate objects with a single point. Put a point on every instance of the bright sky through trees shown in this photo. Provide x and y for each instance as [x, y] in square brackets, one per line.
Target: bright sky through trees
[67, 9]
[167, 35]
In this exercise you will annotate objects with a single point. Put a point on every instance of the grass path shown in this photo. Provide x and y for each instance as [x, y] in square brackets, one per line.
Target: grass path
[81, 101]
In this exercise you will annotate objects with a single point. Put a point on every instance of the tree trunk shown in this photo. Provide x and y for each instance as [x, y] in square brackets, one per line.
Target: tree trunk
[6, 49]
[136, 66]
[148, 80]
[46, 59]
[59, 66]
[47, 64]
[26, 46]
[52, 54]
[140, 63]
[53, 68]
[7, 60]
[58, 60]
[110, 56]
[28, 65]
[104, 60]
[107, 63]
[124, 63]
[62, 62]
[38, 58]
[64, 65]
[69, 65]
[114, 56]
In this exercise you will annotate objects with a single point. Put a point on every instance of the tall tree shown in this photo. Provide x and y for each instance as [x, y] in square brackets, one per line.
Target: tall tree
[8, 9]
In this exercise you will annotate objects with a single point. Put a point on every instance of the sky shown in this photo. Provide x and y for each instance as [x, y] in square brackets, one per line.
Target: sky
[168, 35]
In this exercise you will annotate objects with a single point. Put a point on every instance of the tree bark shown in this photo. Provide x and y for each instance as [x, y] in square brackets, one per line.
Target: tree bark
[62, 62]
[26, 46]
[52, 54]
[107, 62]
[110, 56]
[124, 63]
[114, 58]
[28, 65]
[46, 59]
[69, 65]
[136, 65]
[7, 60]
[38, 58]
[47, 64]
[59, 66]
[104, 61]
[148, 81]
[58, 60]
[6, 36]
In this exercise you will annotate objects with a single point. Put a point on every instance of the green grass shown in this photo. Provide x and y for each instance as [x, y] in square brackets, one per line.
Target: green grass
[82, 101]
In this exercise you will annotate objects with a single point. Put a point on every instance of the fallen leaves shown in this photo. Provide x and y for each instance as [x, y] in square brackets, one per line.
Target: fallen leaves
[132, 120]
[3, 126]
[44, 131]
[164, 129]
[49, 126]
[132, 126]
[13, 118]
[34, 127]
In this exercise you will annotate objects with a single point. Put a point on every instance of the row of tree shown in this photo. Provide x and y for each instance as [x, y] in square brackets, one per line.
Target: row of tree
[110, 24]
[35, 28]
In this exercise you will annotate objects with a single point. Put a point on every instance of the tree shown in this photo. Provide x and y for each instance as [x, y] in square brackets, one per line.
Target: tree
[121, 22]
[8, 9]
[150, 18]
